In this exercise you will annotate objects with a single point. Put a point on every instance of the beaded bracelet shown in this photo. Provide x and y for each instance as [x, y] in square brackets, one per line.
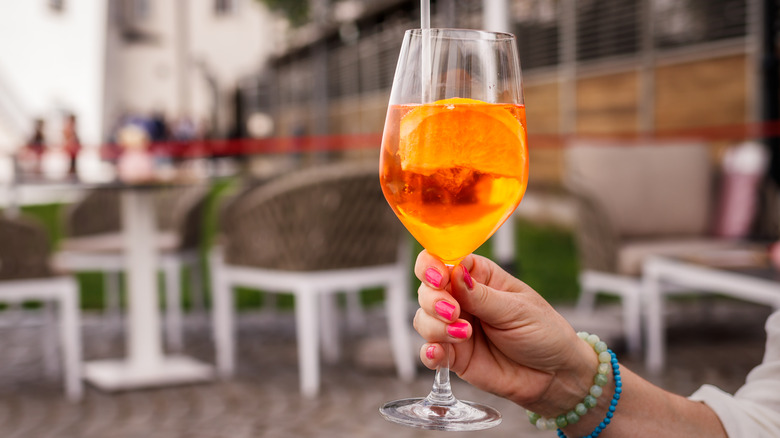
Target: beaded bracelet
[612, 405]
[606, 358]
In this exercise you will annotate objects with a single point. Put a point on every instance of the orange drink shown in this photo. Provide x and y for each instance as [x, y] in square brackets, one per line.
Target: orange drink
[454, 170]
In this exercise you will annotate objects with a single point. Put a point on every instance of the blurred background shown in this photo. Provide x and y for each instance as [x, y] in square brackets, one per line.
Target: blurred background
[236, 93]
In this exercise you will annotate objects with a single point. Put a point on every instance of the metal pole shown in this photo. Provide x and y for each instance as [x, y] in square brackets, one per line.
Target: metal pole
[496, 15]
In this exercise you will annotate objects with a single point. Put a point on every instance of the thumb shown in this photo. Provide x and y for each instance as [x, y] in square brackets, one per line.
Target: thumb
[484, 290]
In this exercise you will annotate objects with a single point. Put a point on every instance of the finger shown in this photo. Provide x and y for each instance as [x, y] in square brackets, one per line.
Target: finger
[487, 272]
[432, 355]
[496, 307]
[433, 329]
[438, 302]
[431, 271]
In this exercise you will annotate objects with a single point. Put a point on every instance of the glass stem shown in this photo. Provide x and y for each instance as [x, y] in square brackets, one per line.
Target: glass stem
[441, 393]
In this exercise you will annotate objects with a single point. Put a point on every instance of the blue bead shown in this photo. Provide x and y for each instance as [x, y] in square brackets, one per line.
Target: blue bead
[606, 421]
[610, 415]
[617, 396]
[612, 406]
[618, 390]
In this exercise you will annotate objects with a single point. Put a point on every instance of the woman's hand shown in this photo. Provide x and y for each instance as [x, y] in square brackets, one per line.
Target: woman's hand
[502, 336]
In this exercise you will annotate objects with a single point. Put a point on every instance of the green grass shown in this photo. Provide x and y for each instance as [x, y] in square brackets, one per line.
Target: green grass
[545, 259]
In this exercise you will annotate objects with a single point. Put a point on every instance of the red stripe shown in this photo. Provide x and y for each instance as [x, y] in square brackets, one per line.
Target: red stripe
[331, 143]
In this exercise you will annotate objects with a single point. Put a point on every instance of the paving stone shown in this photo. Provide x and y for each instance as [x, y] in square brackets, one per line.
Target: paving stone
[263, 400]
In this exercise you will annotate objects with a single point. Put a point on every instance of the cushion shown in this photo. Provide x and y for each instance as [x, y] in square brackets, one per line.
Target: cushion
[114, 242]
[633, 252]
[646, 189]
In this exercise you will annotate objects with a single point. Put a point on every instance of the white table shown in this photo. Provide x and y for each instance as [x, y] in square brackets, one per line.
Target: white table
[145, 364]
[759, 284]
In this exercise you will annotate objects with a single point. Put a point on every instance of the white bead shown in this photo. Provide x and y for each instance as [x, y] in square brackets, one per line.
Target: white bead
[603, 368]
[605, 357]
[592, 339]
[541, 424]
[582, 335]
[551, 424]
[596, 391]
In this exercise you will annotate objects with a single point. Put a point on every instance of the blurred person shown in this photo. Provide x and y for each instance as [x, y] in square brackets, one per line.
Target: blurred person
[70, 141]
[30, 155]
[37, 141]
[157, 127]
[504, 338]
[183, 129]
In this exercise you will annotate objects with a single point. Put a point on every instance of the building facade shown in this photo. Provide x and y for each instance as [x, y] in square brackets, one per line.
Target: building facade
[102, 60]
[591, 67]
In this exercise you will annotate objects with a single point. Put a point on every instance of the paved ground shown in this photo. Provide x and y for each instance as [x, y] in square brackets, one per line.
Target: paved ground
[710, 341]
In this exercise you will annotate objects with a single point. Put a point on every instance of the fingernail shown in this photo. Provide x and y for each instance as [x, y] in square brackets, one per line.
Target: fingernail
[467, 278]
[458, 330]
[430, 351]
[444, 309]
[433, 277]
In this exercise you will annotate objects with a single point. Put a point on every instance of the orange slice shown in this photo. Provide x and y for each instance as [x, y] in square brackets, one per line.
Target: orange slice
[464, 133]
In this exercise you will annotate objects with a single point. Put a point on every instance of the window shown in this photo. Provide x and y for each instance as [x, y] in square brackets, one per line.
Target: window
[684, 22]
[537, 29]
[607, 28]
[57, 5]
[225, 7]
[128, 12]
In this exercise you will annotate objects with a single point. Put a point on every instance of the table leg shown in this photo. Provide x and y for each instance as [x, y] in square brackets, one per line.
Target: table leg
[143, 331]
[656, 341]
[146, 365]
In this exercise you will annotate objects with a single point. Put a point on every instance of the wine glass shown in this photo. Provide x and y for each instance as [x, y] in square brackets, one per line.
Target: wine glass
[454, 166]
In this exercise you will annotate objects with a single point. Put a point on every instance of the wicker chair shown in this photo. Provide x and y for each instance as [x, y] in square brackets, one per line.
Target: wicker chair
[26, 275]
[95, 242]
[634, 201]
[313, 233]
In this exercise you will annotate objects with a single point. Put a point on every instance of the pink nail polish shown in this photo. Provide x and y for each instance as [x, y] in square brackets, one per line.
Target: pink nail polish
[433, 277]
[467, 278]
[458, 330]
[444, 309]
[430, 352]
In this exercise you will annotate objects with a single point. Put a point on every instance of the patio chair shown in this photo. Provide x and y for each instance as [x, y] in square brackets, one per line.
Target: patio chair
[634, 201]
[94, 242]
[26, 275]
[313, 233]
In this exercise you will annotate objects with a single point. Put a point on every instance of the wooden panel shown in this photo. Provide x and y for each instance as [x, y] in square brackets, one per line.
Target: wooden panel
[542, 108]
[608, 104]
[545, 165]
[703, 93]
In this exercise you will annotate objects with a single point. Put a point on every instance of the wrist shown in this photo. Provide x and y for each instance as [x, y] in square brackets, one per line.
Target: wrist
[569, 384]
[565, 386]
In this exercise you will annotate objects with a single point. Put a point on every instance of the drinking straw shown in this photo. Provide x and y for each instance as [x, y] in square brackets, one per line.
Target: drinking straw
[425, 26]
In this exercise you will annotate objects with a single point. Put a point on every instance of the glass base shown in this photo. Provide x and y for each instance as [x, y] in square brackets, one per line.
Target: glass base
[455, 416]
